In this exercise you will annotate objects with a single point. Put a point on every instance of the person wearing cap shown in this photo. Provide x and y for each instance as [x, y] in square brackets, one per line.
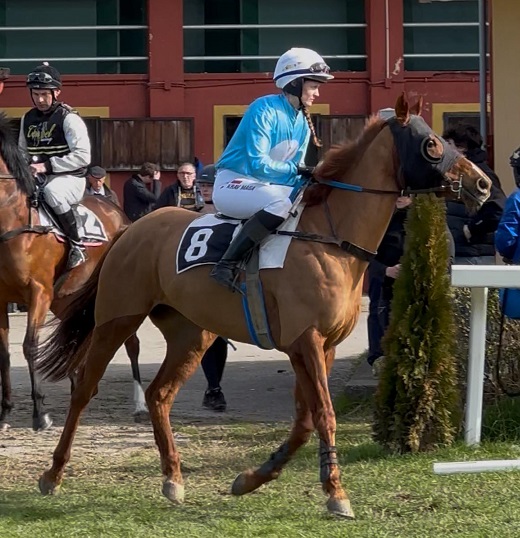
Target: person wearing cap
[206, 182]
[96, 185]
[57, 142]
[262, 167]
[185, 193]
[507, 236]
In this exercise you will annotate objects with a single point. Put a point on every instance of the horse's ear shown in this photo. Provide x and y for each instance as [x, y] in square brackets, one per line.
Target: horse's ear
[402, 109]
[417, 108]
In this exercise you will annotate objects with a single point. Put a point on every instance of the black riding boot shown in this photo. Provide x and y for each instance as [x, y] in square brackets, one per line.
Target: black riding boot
[77, 254]
[259, 226]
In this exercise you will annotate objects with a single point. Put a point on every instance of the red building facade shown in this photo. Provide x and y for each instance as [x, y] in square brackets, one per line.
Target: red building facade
[166, 90]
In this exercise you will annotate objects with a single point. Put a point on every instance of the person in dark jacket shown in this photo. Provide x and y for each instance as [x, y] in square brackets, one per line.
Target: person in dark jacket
[185, 193]
[96, 185]
[474, 235]
[138, 199]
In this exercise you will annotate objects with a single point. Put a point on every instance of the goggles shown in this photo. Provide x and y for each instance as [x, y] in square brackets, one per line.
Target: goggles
[41, 77]
[319, 67]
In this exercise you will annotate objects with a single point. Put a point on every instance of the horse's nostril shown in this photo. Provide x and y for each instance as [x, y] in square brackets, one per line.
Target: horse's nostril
[483, 184]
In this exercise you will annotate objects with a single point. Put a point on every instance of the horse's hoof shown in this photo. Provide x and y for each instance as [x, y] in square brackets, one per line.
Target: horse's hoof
[173, 491]
[4, 426]
[340, 508]
[42, 423]
[46, 486]
[244, 484]
[141, 416]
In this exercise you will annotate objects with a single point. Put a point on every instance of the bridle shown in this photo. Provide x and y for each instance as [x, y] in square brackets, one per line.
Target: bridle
[417, 137]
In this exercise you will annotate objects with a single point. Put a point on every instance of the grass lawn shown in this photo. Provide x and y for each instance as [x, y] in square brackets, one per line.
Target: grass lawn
[392, 496]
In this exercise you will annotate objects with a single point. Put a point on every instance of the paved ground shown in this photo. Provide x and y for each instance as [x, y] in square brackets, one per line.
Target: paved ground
[257, 384]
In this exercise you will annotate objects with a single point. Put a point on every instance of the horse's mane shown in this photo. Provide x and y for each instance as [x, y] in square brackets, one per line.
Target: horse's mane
[13, 157]
[340, 159]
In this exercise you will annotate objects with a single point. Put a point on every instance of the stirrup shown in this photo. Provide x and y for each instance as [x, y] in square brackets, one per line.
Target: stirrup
[77, 256]
[225, 273]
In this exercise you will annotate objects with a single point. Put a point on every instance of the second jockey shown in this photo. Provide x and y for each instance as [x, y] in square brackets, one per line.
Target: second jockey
[262, 167]
[57, 141]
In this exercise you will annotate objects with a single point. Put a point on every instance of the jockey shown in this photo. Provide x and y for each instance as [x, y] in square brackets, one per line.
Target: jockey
[262, 167]
[56, 139]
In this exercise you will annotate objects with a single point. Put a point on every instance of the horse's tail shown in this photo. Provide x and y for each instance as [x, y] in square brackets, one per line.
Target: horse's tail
[65, 349]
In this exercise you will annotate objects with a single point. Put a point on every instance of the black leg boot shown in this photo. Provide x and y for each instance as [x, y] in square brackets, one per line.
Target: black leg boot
[77, 254]
[259, 226]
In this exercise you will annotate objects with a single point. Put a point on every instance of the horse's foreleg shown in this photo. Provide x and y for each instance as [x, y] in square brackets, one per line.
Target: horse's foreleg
[301, 431]
[5, 368]
[311, 365]
[38, 307]
[132, 346]
[106, 340]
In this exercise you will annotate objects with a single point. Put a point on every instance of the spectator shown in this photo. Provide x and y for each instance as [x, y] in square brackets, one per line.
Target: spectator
[138, 199]
[205, 182]
[508, 231]
[96, 184]
[185, 193]
[375, 281]
[474, 235]
[196, 199]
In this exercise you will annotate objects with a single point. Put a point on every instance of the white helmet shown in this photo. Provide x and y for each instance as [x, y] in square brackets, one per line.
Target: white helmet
[300, 63]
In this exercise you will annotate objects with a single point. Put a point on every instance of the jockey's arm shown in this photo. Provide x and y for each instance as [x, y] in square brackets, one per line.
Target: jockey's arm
[78, 141]
[259, 146]
[22, 143]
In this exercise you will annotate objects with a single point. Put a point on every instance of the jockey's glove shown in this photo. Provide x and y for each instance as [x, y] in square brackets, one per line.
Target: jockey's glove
[306, 171]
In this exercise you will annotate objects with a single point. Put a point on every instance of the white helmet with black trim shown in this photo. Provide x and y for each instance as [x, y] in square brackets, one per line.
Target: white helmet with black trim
[298, 63]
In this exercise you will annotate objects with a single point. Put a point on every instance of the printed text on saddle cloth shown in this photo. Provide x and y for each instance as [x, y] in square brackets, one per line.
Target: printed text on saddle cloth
[207, 238]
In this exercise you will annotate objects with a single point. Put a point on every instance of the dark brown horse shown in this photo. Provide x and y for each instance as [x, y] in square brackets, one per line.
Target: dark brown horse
[32, 267]
[312, 304]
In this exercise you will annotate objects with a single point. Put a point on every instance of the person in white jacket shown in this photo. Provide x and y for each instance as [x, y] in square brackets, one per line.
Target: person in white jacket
[57, 141]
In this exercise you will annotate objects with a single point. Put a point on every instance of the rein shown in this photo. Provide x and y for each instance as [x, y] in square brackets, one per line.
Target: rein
[351, 248]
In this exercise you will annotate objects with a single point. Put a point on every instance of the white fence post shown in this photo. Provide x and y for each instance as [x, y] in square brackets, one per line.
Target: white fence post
[477, 354]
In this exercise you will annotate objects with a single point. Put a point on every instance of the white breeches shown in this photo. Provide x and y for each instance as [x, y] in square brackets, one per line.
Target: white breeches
[62, 192]
[241, 197]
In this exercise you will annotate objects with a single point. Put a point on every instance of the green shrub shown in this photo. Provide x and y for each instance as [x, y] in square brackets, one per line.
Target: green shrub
[417, 404]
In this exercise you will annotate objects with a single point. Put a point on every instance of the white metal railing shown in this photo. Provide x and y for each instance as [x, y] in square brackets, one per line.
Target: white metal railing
[479, 278]
[58, 28]
[210, 58]
[270, 26]
[79, 59]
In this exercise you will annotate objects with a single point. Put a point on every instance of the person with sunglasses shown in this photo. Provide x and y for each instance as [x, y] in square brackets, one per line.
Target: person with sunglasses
[262, 167]
[57, 141]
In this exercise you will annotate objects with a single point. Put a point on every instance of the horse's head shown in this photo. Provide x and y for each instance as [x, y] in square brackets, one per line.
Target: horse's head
[427, 161]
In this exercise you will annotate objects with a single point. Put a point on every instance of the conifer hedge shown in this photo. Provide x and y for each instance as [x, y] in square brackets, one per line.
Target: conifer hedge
[416, 404]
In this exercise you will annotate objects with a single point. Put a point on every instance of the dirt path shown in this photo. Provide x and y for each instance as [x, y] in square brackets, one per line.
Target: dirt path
[257, 385]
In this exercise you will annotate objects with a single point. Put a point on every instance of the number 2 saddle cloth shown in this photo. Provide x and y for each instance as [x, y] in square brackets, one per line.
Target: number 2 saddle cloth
[207, 238]
[91, 229]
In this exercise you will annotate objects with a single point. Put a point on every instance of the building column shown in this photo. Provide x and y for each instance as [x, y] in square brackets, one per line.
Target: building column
[165, 52]
[385, 44]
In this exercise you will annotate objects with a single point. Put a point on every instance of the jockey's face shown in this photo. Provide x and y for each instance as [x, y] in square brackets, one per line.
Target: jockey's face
[43, 99]
[186, 175]
[310, 91]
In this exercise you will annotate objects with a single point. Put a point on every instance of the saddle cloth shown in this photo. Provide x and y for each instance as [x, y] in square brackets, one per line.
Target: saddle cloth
[206, 239]
[91, 229]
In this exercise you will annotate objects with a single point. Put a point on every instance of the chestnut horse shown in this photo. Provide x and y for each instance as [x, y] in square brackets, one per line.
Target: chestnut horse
[312, 304]
[32, 268]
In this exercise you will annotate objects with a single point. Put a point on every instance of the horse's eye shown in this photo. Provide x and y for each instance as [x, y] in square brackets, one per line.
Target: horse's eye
[432, 150]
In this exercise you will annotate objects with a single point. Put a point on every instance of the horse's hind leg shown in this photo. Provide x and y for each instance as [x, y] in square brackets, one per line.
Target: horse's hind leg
[5, 368]
[302, 429]
[106, 340]
[133, 346]
[186, 344]
[39, 305]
